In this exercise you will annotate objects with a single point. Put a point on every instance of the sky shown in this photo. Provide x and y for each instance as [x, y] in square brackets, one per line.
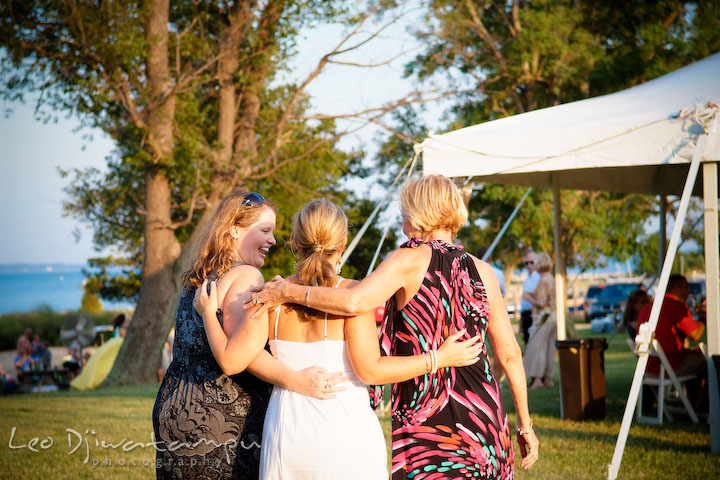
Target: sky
[34, 229]
[31, 189]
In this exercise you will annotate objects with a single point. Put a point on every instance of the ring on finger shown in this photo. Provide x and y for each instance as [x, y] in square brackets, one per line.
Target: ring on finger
[328, 386]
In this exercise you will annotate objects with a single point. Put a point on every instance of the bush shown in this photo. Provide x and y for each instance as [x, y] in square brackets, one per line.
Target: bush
[44, 321]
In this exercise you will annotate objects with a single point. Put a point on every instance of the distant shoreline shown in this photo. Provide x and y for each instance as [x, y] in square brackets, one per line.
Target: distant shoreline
[31, 287]
[16, 268]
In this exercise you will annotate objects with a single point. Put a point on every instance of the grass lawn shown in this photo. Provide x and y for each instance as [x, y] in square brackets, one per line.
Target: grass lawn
[82, 421]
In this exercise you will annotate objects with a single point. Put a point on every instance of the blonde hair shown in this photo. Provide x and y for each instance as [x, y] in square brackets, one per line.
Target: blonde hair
[319, 230]
[216, 248]
[433, 203]
[543, 263]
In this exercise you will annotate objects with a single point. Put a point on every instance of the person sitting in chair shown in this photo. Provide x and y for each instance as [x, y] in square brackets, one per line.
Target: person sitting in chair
[74, 360]
[636, 301]
[24, 361]
[675, 325]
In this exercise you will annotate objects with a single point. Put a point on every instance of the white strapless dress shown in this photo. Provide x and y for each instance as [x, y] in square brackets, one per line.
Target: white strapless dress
[306, 438]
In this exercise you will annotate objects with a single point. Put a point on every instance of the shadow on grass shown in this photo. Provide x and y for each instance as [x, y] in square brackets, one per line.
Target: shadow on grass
[644, 439]
[680, 436]
[127, 391]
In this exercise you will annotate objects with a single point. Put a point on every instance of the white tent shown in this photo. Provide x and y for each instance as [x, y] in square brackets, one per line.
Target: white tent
[647, 139]
[633, 129]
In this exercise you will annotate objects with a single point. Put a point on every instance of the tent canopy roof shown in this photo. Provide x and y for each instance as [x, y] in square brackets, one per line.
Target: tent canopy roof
[628, 141]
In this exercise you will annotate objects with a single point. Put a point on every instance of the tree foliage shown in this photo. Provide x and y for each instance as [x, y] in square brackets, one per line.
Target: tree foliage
[692, 241]
[510, 57]
[196, 98]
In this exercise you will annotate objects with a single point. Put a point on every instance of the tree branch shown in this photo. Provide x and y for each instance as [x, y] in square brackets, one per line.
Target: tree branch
[178, 38]
[193, 203]
[338, 50]
[371, 65]
[478, 27]
[278, 165]
[516, 25]
[386, 108]
[398, 134]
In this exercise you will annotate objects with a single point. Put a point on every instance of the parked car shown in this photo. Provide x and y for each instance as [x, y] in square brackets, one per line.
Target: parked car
[611, 299]
[697, 291]
[591, 296]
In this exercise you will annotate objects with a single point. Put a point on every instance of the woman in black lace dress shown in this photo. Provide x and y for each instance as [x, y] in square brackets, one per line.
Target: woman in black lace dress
[209, 413]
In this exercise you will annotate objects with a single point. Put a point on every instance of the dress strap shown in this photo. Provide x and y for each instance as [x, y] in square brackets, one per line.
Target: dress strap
[325, 338]
[214, 276]
[326, 315]
[277, 317]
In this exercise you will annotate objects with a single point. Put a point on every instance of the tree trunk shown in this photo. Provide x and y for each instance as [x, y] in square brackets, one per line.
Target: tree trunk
[228, 63]
[139, 356]
[245, 149]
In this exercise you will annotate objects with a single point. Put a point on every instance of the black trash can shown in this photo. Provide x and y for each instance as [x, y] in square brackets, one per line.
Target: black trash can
[582, 378]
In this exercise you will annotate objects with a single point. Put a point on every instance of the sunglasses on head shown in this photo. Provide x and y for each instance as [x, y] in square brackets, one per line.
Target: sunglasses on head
[253, 200]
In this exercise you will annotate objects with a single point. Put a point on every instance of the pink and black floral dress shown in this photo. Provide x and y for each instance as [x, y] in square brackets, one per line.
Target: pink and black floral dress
[451, 424]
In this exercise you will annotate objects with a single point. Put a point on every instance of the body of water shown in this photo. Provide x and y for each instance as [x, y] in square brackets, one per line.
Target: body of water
[24, 288]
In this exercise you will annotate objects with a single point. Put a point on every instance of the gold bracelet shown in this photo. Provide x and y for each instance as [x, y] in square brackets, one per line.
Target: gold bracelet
[525, 430]
[307, 297]
[427, 363]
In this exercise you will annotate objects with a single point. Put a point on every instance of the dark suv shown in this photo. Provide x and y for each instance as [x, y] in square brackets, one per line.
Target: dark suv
[611, 299]
[593, 292]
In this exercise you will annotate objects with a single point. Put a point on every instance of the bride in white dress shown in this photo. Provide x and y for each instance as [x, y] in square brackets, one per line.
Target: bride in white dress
[307, 438]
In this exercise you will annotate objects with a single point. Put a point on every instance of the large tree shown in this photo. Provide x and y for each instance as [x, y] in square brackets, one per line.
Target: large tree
[191, 93]
[511, 57]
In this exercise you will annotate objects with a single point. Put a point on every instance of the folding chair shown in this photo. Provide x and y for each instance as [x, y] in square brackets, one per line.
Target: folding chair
[664, 384]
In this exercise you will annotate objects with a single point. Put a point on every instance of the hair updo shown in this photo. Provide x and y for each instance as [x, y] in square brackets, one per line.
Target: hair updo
[319, 230]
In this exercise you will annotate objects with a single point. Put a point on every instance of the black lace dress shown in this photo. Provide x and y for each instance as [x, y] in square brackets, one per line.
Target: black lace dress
[207, 425]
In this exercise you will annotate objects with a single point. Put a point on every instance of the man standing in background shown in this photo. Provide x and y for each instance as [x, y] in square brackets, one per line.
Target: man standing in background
[528, 287]
[23, 343]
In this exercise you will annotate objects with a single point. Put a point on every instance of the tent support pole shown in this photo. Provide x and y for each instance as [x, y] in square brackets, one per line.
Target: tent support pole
[662, 237]
[712, 274]
[381, 204]
[646, 333]
[559, 262]
[504, 228]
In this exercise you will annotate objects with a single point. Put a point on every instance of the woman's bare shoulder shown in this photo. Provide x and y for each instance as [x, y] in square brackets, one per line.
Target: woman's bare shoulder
[482, 266]
[242, 276]
[409, 258]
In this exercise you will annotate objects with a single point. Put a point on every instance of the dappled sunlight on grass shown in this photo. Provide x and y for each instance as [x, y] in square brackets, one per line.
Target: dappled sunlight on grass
[568, 449]
[582, 449]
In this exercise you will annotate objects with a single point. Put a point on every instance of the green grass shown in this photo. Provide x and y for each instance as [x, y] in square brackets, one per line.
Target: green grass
[568, 449]
[113, 414]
